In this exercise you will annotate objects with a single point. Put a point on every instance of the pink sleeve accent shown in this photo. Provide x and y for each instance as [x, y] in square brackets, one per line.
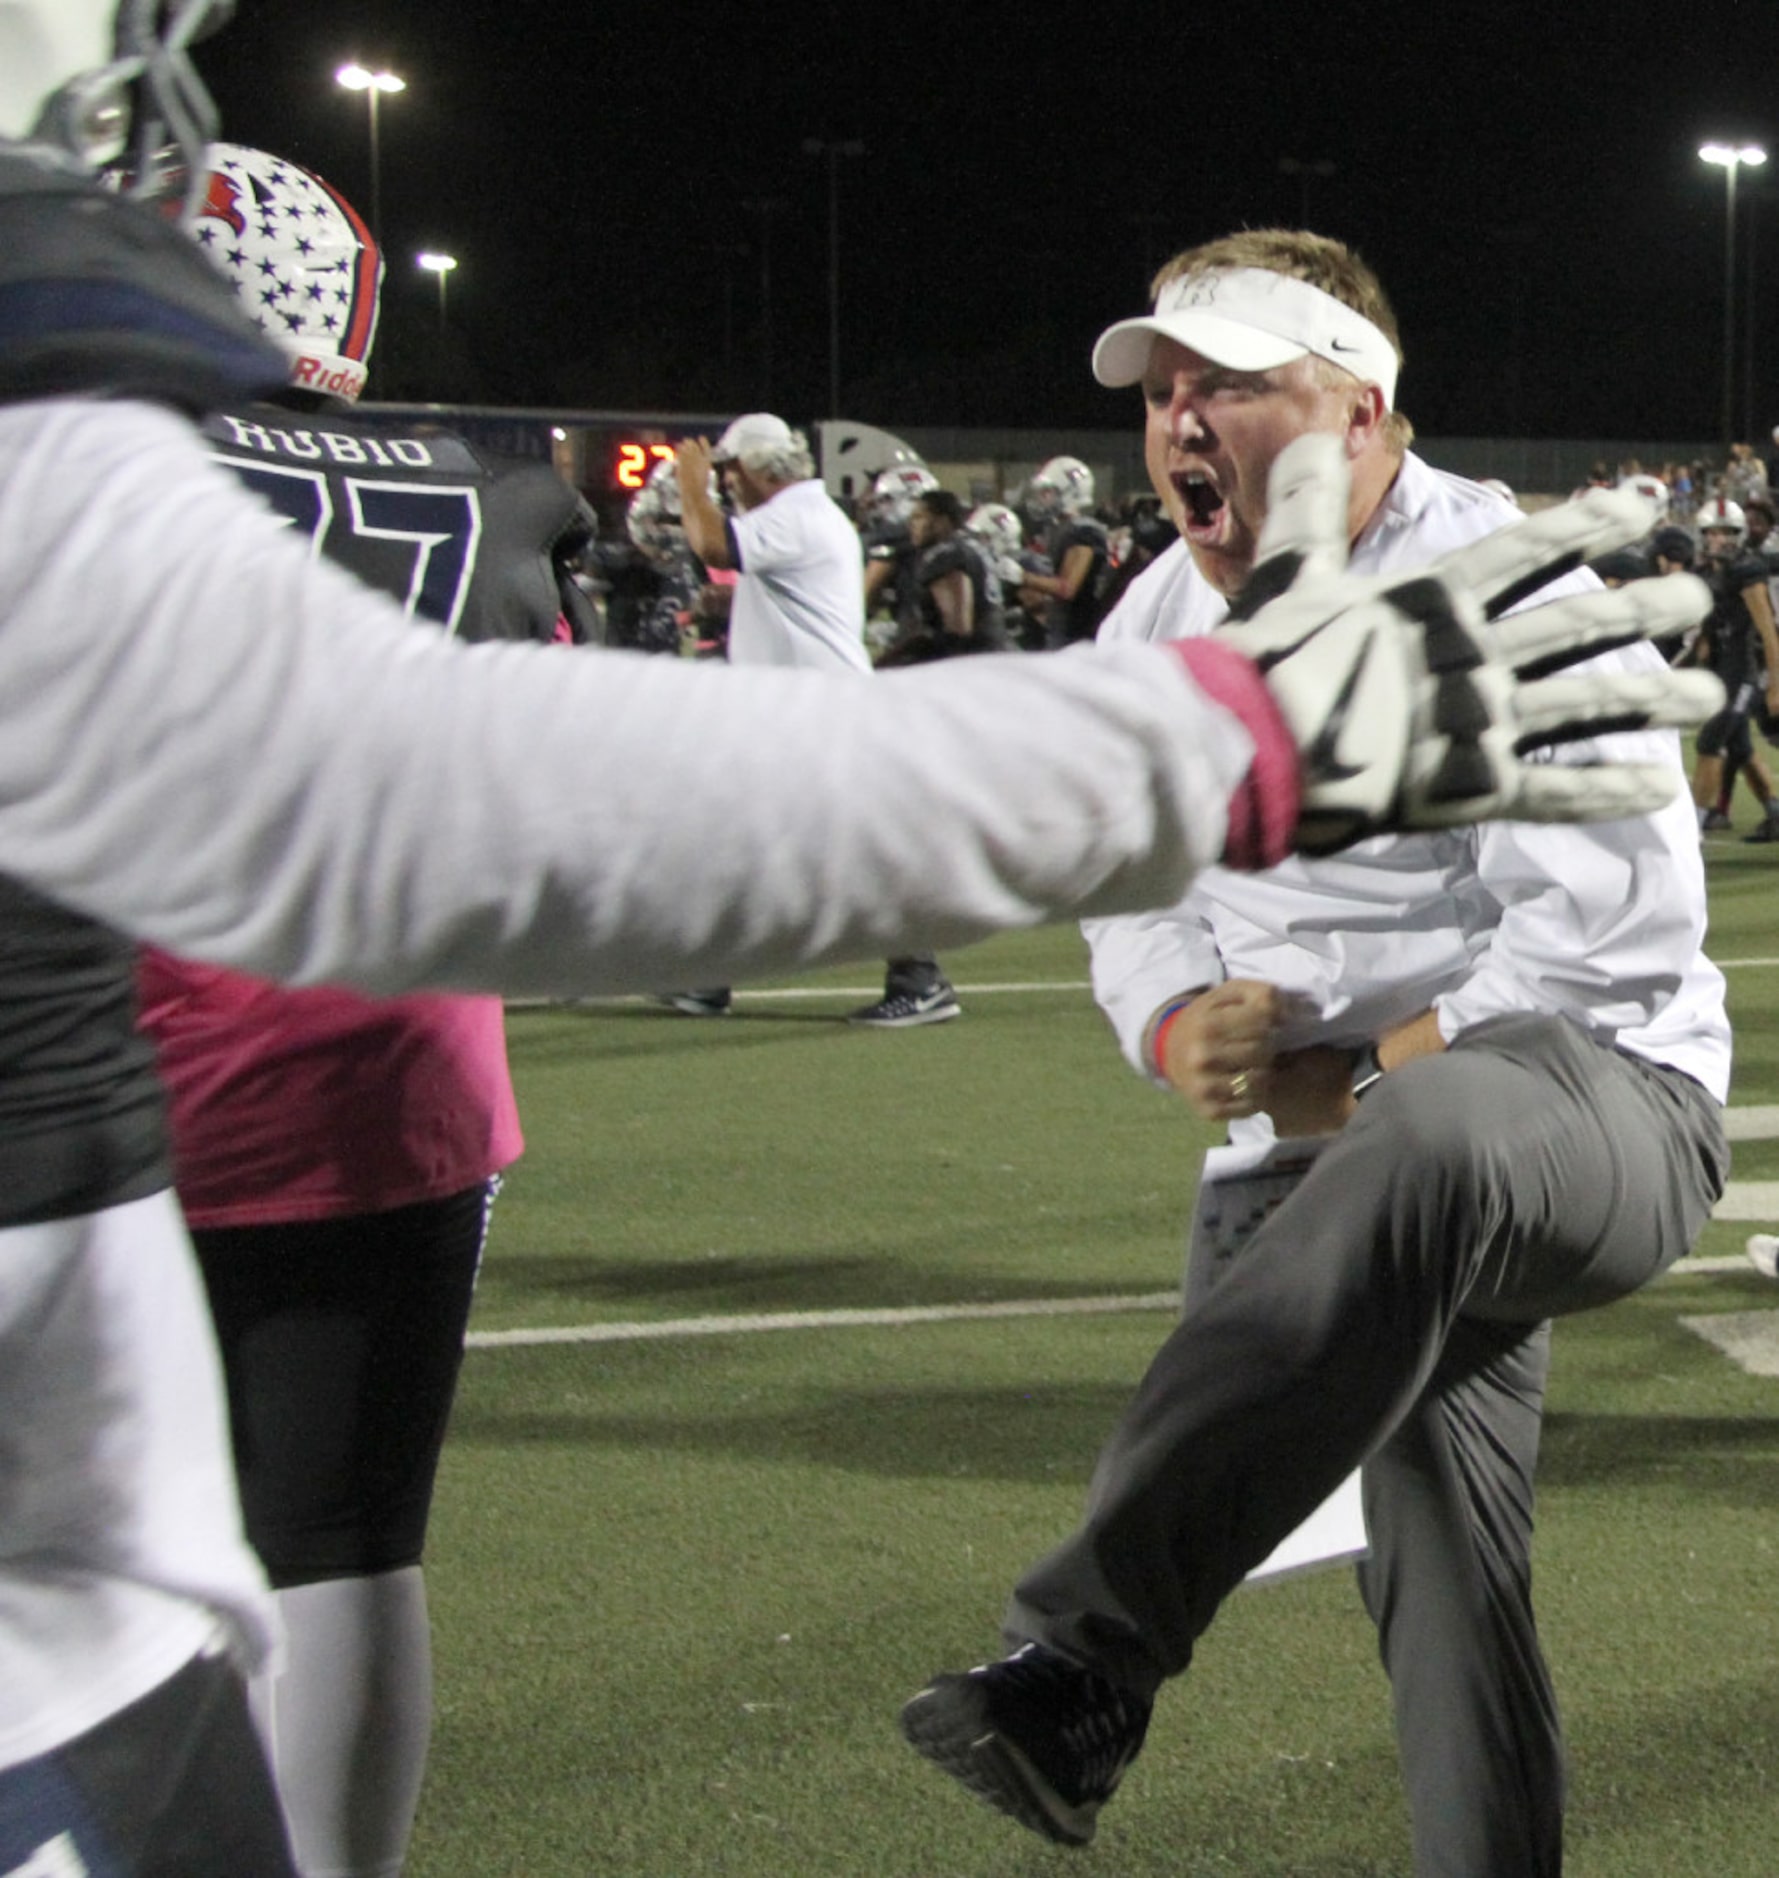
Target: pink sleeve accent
[1263, 810]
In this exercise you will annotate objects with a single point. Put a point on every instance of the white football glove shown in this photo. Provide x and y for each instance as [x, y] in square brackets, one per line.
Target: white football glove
[1412, 703]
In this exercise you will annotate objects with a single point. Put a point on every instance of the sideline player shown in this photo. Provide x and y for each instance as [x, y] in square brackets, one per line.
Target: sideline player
[1071, 596]
[336, 1157]
[217, 743]
[1517, 1051]
[958, 584]
[1739, 642]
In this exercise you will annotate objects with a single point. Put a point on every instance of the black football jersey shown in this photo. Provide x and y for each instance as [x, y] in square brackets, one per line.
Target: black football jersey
[1734, 650]
[961, 553]
[475, 545]
[1079, 618]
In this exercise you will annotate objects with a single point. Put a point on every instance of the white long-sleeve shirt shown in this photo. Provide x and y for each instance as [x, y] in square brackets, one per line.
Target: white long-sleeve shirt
[1601, 923]
[219, 744]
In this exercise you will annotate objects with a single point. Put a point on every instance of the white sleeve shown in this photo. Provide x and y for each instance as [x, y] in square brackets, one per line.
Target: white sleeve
[1143, 961]
[219, 744]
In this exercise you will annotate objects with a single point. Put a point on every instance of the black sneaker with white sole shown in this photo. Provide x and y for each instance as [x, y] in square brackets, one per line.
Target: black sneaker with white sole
[1034, 1735]
[713, 1003]
[902, 1010]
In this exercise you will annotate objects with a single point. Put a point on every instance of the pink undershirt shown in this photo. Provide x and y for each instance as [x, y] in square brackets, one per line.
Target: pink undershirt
[319, 1104]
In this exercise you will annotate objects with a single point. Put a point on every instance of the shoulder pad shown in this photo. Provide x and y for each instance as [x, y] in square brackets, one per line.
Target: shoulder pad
[102, 297]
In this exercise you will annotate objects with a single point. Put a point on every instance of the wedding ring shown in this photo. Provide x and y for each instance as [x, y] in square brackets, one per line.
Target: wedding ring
[1238, 1086]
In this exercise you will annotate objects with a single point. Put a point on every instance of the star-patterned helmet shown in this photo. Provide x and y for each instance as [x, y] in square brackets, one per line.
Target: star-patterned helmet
[300, 259]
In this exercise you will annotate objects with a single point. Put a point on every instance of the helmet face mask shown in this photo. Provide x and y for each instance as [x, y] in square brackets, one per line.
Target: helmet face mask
[302, 263]
[92, 78]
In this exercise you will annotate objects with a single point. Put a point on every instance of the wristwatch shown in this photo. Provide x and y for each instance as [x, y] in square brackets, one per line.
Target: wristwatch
[1366, 1071]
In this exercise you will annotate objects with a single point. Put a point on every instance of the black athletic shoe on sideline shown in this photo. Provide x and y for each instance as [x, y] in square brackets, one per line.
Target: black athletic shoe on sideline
[907, 1008]
[1034, 1735]
[715, 1003]
[1767, 831]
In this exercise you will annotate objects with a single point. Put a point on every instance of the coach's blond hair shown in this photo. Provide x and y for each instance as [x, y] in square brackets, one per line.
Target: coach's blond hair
[1322, 262]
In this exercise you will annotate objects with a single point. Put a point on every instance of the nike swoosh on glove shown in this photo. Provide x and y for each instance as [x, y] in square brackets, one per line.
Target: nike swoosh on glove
[1413, 704]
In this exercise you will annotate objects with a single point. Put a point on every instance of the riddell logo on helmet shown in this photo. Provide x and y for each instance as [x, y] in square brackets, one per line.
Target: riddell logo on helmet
[338, 378]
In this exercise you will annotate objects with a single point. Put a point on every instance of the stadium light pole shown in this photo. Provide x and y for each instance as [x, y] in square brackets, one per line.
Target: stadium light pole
[356, 77]
[439, 265]
[1730, 158]
[765, 207]
[833, 150]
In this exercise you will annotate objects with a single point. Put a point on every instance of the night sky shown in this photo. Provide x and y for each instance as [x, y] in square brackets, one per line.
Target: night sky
[1524, 178]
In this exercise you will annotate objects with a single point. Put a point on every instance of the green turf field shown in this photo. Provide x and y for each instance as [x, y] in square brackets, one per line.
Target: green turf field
[682, 1583]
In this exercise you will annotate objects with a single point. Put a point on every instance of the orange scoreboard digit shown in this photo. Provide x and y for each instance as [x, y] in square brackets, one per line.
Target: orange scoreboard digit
[634, 461]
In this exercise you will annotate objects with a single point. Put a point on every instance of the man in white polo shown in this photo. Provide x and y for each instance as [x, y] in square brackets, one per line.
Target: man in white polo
[1516, 1052]
[800, 600]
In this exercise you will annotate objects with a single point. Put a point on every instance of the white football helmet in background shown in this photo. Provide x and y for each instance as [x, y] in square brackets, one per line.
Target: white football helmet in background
[893, 494]
[655, 519]
[997, 527]
[1719, 515]
[301, 262]
[1651, 486]
[1063, 486]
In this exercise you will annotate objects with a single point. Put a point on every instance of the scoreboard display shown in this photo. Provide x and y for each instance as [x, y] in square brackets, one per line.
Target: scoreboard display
[632, 460]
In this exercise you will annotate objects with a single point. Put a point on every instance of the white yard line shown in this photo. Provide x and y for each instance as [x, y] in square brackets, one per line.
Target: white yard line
[822, 1320]
[1750, 1339]
[1744, 1201]
[749, 993]
[667, 1329]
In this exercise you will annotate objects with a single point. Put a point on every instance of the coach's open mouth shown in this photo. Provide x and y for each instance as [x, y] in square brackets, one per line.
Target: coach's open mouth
[1202, 503]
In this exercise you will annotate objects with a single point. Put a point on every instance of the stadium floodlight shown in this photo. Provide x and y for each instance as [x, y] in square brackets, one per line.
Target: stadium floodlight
[356, 77]
[1730, 158]
[439, 265]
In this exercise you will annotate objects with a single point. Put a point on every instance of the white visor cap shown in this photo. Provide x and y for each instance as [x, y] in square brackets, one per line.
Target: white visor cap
[1249, 319]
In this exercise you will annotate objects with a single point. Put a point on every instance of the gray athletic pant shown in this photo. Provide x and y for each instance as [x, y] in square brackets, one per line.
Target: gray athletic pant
[1394, 1311]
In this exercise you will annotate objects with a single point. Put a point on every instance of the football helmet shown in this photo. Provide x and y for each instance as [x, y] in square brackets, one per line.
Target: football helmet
[1720, 515]
[997, 527]
[300, 260]
[894, 491]
[94, 78]
[655, 518]
[1063, 486]
[1647, 485]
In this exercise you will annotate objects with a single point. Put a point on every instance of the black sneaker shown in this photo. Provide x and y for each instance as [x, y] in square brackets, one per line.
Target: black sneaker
[905, 1009]
[1767, 831]
[1034, 1735]
[698, 1003]
[1715, 822]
